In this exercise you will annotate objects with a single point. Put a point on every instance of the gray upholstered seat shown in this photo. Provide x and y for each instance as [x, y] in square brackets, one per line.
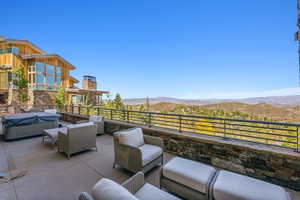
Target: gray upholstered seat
[232, 186]
[135, 151]
[98, 121]
[186, 178]
[150, 192]
[134, 188]
[76, 138]
[149, 153]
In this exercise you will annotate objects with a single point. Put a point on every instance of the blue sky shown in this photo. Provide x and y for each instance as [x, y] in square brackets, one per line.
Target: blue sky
[174, 48]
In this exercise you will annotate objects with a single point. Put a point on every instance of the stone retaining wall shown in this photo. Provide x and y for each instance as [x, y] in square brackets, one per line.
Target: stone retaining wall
[274, 165]
[271, 164]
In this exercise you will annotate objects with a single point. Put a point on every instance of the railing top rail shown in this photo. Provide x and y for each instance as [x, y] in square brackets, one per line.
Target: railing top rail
[203, 117]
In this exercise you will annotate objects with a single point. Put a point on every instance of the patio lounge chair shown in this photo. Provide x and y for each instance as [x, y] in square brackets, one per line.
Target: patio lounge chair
[135, 151]
[77, 138]
[133, 189]
[98, 121]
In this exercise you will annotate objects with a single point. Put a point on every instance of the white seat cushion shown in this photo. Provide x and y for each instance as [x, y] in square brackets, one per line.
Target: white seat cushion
[80, 125]
[189, 173]
[133, 137]
[149, 153]
[107, 189]
[232, 186]
[149, 192]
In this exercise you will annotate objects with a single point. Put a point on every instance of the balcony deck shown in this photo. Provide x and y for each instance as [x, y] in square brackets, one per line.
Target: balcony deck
[50, 175]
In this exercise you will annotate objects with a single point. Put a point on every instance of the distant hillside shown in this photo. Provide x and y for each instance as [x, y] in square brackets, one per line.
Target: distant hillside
[276, 100]
[260, 111]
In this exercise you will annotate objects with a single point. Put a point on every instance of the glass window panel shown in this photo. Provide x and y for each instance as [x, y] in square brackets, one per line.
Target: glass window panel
[58, 81]
[40, 87]
[50, 80]
[15, 50]
[39, 67]
[50, 69]
[58, 70]
[40, 78]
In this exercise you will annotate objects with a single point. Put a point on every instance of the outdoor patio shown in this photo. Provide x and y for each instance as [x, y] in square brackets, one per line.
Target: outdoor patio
[50, 175]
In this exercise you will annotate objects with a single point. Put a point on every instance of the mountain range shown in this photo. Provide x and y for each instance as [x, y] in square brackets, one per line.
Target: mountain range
[275, 100]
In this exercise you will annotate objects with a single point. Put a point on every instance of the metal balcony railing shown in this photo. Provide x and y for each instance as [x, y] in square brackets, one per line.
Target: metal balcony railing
[284, 135]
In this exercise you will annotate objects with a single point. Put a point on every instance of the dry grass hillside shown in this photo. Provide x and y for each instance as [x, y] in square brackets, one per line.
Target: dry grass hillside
[260, 111]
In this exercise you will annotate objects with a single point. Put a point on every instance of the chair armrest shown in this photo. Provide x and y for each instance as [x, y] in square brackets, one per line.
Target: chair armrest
[129, 157]
[85, 196]
[62, 139]
[157, 141]
[134, 152]
[134, 183]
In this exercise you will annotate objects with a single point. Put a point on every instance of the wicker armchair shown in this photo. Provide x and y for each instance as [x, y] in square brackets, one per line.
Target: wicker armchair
[76, 138]
[98, 121]
[135, 185]
[142, 157]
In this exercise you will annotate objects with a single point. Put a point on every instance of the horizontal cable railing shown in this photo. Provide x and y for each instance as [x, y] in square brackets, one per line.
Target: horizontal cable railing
[263, 132]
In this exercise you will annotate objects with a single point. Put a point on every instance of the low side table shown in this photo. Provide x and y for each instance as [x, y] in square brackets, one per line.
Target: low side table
[52, 134]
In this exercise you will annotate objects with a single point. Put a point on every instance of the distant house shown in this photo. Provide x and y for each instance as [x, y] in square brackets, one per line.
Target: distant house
[44, 72]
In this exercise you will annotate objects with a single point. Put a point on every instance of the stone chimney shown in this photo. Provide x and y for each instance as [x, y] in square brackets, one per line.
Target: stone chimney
[89, 83]
[2, 38]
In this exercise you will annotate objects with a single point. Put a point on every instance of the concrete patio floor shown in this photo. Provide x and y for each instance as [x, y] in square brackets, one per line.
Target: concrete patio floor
[50, 175]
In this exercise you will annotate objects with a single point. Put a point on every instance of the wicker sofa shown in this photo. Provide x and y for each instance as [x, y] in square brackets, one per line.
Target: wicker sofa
[76, 138]
[135, 151]
[134, 188]
[24, 125]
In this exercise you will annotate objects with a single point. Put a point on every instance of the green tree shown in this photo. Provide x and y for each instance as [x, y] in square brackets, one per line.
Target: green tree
[20, 82]
[147, 104]
[60, 97]
[142, 108]
[118, 101]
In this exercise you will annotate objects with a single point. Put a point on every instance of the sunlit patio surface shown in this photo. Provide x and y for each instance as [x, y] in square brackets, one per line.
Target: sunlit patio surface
[50, 175]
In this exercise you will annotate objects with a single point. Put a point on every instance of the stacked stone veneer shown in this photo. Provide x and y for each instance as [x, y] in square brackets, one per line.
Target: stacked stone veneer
[275, 165]
[271, 164]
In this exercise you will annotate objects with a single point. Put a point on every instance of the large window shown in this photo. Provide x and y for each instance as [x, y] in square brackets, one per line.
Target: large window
[14, 50]
[43, 76]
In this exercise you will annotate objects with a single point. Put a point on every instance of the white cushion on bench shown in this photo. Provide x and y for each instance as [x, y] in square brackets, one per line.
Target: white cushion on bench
[189, 173]
[149, 153]
[232, 186]
[150, 192]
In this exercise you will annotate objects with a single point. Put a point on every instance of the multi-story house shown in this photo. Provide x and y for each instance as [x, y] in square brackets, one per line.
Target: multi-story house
[45, 72]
